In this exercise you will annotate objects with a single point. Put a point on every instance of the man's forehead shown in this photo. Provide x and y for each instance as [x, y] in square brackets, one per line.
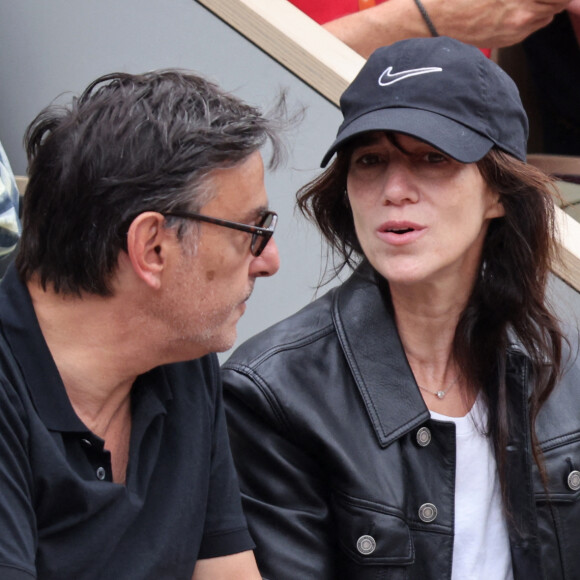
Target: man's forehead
[239, 188]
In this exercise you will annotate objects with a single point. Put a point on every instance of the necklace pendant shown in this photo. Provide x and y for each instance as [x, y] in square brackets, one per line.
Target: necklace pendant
[440, 394]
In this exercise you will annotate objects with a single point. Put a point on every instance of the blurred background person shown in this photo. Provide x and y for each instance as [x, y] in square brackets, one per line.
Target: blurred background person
[368, 24]
[9, 204]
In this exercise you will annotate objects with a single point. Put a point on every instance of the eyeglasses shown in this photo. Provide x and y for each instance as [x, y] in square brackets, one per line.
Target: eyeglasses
[261, 233]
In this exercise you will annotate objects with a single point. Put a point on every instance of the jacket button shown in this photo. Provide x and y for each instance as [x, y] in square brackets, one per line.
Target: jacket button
[423, 437]
[427, 512]
[366, 545]
[574, 480]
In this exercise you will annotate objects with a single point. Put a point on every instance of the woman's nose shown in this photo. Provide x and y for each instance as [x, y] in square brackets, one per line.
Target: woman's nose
[399, 185]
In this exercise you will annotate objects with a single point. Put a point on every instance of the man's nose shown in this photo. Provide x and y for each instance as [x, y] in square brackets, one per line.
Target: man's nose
[267, 263]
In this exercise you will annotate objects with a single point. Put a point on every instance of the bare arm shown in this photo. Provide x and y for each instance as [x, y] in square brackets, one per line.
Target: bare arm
[483, 23]
[574, 14]
[240, 566]
[574, 7]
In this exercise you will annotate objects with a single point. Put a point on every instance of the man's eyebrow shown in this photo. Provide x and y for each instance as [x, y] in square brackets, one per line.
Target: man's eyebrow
[255, 213]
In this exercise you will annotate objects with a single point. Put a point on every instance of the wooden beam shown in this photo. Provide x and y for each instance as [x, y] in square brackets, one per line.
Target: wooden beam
[294, 40]
[21, 183]
[557, 165]
[568, 269]
[328, 66]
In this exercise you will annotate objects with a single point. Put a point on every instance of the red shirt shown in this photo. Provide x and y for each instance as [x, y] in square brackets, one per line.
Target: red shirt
[324, 11]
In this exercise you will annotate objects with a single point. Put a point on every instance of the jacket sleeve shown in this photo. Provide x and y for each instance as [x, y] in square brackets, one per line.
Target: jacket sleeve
[284, 491]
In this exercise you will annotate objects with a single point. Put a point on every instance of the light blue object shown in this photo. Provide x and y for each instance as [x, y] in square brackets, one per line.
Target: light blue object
[9, 222]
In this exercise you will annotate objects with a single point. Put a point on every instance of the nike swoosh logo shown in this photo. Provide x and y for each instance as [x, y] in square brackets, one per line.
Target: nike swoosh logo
[388, 77]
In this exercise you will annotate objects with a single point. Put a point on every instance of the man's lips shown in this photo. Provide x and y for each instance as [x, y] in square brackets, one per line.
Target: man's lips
[242, 304]
[400, 232]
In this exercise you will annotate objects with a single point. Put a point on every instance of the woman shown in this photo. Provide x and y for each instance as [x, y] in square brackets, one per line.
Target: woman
[420, 421]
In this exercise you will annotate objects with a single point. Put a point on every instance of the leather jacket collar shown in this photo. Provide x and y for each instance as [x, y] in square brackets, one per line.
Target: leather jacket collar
[364, 325]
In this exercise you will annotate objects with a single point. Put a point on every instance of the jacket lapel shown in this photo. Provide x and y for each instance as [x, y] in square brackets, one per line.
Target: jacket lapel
[377, 361]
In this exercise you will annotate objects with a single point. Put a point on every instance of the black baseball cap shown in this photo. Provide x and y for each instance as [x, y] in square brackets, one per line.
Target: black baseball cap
[441, 91]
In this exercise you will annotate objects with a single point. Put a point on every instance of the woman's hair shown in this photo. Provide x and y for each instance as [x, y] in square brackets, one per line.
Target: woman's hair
[509, 296]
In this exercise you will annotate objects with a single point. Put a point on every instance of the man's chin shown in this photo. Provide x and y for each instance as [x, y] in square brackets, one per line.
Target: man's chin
[226, 341]
[225, 338]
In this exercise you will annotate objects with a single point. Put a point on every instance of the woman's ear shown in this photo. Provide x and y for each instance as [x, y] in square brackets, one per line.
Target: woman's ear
[495, 207]
[146, 246]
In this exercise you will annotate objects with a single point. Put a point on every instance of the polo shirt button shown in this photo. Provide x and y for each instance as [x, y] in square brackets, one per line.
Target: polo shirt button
[574, 480]
[423, 437]
[101, 473]
[427, 513]
[366, 545]
[86, 443]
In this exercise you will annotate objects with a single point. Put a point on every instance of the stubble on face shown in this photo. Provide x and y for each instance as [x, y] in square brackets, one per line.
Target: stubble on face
[207, 289]
[194, 312]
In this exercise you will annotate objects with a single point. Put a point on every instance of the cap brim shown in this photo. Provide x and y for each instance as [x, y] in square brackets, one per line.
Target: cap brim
[451, 137]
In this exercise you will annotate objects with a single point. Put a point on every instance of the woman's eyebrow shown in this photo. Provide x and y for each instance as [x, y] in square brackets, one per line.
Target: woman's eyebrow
[368, 139]
[393, 138]
[375, 137]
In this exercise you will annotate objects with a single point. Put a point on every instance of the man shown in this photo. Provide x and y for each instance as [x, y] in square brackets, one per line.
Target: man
[145, 227]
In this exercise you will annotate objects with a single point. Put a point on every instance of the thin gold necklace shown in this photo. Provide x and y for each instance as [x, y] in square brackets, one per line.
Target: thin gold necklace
[440, 393]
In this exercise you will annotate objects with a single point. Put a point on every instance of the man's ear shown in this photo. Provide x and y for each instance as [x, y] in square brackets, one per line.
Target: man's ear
[147, 241]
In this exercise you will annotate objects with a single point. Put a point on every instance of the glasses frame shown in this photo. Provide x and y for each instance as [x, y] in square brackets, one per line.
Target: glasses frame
[260, 235]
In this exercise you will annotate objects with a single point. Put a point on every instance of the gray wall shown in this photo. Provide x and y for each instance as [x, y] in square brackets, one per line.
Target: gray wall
[59, 46]
[49, 47]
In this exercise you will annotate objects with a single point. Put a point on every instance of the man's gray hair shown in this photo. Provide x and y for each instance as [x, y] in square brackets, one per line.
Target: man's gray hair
[128, 144]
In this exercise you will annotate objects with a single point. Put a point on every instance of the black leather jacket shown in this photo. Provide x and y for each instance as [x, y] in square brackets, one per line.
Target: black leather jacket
[340, 462]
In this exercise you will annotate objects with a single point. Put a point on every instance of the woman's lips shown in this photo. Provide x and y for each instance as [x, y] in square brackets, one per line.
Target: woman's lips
[398, 233]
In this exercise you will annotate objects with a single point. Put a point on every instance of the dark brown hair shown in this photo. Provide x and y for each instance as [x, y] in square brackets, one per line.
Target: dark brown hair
[128, 144]
[509, 296]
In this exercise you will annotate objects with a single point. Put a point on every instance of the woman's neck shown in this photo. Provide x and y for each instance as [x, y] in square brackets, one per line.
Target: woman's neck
[427, 320]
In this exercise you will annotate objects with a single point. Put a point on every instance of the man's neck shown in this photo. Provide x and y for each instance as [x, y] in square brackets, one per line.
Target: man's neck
[95, 348]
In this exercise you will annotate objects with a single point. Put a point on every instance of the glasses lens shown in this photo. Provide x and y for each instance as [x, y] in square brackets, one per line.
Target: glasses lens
[259, 242]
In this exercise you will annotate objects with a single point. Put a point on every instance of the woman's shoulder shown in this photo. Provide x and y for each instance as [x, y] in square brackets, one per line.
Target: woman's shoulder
[299, 330]
[317, 320]
[559, 417]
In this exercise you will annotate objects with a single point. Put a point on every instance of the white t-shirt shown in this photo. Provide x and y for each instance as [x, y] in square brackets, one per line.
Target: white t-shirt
[481, 549]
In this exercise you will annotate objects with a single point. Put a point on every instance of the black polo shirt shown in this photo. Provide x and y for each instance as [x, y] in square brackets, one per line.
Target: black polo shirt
[61, 516]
